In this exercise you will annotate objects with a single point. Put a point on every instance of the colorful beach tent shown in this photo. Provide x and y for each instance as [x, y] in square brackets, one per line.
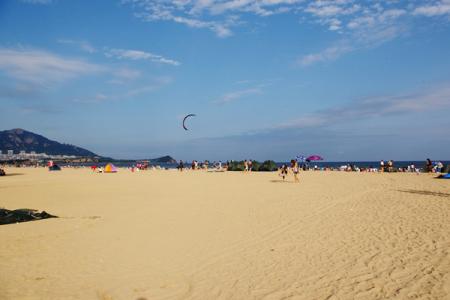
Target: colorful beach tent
[110, 168]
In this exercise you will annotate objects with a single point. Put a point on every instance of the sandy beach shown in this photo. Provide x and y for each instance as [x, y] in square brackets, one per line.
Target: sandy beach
[208, 235]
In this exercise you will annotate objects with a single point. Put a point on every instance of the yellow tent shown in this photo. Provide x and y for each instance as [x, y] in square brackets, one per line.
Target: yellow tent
[110, 168]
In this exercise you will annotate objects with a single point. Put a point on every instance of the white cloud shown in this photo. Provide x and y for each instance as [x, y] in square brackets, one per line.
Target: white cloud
[367, 24]
[217, 16]
[335, 24]
[330, 10]
[236, 95]
[329, 54]
[437, 9]
[139, 55]
[364, 28]
[43, 67]
[220, 29]
[337, 15]
[121, 53]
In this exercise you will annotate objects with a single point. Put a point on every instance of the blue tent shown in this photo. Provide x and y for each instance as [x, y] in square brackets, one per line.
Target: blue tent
[444, 176]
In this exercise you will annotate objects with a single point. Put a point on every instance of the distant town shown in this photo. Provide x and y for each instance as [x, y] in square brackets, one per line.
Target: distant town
[9, 155]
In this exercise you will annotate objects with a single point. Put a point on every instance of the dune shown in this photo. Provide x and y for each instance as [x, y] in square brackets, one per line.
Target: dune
[204, 235]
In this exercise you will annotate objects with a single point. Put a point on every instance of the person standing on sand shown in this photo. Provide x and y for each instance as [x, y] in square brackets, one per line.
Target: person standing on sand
[245, 166]
[382, 166]
[295, 170]
[429, 166]
[250, 165]
[391, 166]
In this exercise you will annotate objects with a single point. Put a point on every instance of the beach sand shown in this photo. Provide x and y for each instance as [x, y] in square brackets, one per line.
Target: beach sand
[205, 235]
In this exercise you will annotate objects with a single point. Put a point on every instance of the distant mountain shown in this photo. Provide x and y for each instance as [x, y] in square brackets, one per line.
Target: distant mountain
[22, 140]
[163, 160]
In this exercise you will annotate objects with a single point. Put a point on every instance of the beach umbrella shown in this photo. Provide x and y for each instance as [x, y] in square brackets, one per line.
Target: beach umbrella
[314, 157]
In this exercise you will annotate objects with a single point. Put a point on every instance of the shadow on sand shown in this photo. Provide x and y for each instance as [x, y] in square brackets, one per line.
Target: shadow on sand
[13, 174]
[280, 181]
[426, 193]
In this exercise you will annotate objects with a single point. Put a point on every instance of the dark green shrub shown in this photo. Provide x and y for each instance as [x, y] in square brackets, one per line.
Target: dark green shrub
[268, 166]
[236, 166]
[255, 165]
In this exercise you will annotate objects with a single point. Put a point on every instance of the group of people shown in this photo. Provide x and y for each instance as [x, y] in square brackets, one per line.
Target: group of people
[430, 167]
[195, 165]
[433, 168]
[248, 165]
[387, 166]
[294, 168]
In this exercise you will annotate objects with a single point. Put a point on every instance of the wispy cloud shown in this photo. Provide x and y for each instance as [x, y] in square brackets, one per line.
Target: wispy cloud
[83, 45]
[362, 39]
[221, 16]
[359, 28]
[221, 30]
[328, 54]
[236, 95]
[375, 107]
[139, 55]
[120, 53]
[367, 24]
[152, 85]
[192, 13]
[41, 67]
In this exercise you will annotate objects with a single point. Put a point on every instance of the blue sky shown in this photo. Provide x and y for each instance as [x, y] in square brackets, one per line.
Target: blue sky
[268, 79]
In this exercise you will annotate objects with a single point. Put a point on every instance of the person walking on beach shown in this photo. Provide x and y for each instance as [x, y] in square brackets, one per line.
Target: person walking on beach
[295, 170]
[250, 165]
[382, 166]
[284, 171]
[245, 166]
[180, 166]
